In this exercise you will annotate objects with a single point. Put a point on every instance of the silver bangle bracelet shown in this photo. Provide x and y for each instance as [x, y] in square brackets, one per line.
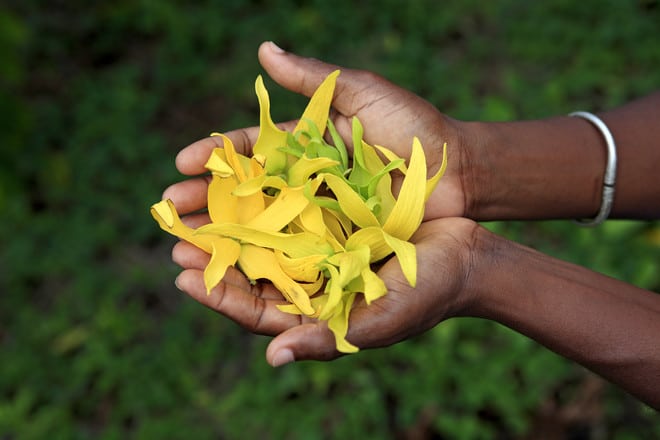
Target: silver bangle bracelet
[609, 179]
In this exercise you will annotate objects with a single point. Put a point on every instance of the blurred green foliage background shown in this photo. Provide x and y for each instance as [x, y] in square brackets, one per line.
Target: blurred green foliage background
[96, 98]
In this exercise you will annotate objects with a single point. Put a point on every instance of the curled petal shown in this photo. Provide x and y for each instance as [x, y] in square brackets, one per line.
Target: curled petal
[304, 167]
[270, 137]
[338, 324]
[217, 163]
[225, 252]
[168, 219]
[237, 162]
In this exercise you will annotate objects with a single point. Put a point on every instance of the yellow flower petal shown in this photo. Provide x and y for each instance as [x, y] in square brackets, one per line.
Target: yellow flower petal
[165, 214]
[408, 211]
[257, 183]
[350, 263]
[433, 181]
[236, 161]
[350, 202]
[287, 205]
[218, 165]
[298, 245]
[304, 167]
[270, 137]
[374, 287]
[318, 107]
[304, 269]
[257, 163]
[259, 263]
[338, 224]
[338, 324]
[406, 253]
[372, 237]
[311, 219]
[333, 293]
[222, 204]
[224, 254]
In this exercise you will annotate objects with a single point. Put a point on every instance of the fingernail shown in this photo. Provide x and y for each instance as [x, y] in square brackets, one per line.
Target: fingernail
[176, 283]
[276, 48]
[281, 357]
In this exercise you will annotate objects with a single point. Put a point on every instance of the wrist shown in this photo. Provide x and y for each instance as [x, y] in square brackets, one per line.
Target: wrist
[544, 169]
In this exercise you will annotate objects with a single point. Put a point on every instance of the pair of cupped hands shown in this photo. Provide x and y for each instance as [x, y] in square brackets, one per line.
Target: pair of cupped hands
[445, 242]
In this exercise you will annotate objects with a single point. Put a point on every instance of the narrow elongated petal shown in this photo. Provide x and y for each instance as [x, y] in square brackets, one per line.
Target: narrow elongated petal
[168, 219]
[225, 252]
[270, 137]
[350, 263]
[259, 263]
[304, 167]
[408, 211]
[237, 162]
[406, 253]
[338, 324]
[372, 237]
[311, 219]
[333, 292]
[318, 108]
[317, 304]
[298, 245]
[305, 269]
[393, 157]
[433, 181]
[350, 202]
[289, 203]
[373, 285]
[314, 287]
[257, 183]
[339, 144]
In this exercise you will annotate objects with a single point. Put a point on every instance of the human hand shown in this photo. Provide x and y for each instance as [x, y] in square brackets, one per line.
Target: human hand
[391, 117]
[443, 250]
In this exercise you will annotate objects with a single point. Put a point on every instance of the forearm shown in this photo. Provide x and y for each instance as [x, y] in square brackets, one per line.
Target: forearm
[554, 168]
[604, 324]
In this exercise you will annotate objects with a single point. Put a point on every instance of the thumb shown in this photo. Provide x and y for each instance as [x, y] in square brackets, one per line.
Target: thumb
[303, 342]
[304, 75]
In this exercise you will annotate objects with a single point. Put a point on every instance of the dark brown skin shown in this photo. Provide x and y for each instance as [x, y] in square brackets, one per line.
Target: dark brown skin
[550, 168]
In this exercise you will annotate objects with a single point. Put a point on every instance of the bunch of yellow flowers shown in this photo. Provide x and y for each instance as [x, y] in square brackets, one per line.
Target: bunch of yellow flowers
[304, 216]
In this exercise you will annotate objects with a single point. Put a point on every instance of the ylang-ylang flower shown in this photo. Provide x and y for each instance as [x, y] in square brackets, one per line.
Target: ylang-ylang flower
[303, 215]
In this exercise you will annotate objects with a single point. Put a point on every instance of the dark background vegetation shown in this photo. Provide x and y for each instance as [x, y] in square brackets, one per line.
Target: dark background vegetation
[96, 98]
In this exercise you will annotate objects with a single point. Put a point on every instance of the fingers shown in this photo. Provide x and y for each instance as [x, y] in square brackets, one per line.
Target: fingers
[252, 307]
[188, 196]
[302, 342]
